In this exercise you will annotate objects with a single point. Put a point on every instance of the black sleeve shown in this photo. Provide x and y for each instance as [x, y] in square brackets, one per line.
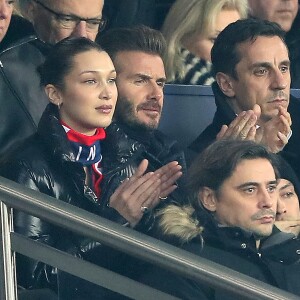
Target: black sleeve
[31, 273]
[175, 285]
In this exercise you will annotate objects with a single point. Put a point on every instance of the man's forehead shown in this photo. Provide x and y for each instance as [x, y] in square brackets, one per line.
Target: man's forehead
[258, 170]
[138, 62]
[259, 48]
[80, 8]
[258, 3]
[283, 184]
[137, 54]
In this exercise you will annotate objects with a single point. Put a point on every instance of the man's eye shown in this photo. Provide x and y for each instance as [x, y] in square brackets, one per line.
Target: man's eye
[271, 189]
[161, 83]
[284, 69]
[249, 190]
[288, 195]
[67, 19]
[140, 81]
[260, 72]
[94, 21]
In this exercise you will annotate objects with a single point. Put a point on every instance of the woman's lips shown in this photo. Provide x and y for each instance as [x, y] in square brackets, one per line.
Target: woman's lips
[106, 109]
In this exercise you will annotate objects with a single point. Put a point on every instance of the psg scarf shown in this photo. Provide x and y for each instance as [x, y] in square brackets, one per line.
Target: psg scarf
[87, 150]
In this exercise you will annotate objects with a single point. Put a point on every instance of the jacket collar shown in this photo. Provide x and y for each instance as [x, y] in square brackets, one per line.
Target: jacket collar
[118, 146]
[279, 246]
[224, 113]
[226, 237]
[53, 134]
[57, 144]
[139, 134]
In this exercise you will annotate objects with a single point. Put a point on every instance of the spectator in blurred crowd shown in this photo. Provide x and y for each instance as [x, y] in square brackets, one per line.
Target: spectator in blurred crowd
[190, 29]
[230, 221]
[56, 20]
[282, 12]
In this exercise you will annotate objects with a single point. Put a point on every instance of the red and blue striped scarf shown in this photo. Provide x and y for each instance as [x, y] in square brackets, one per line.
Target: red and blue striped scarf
[87, 150]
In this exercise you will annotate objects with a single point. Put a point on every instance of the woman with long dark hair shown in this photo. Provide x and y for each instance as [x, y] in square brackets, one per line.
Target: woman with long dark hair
[63, 158]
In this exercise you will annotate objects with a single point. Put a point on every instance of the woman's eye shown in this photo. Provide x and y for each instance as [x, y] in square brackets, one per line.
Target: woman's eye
[90, 81]
[112, 80]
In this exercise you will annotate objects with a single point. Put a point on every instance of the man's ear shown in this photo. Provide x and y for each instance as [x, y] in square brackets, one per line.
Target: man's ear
[208, 198]
[53, 94]
[225, 83]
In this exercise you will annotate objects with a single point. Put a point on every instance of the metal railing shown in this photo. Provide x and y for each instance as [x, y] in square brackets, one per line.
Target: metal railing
[124, 239]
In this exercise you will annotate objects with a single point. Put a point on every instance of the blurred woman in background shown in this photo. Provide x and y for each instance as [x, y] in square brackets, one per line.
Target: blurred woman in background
[190, 29]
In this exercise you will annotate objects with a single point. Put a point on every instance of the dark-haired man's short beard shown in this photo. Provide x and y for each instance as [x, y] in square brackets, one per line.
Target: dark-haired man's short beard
[125, 113]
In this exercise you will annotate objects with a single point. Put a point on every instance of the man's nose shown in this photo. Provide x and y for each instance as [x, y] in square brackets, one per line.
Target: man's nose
[280, 80]
[265, 201]
[155, 92]
[281, 207]
[80, 30]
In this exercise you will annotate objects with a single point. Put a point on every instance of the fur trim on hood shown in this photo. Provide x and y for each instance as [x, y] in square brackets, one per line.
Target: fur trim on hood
[179, 222]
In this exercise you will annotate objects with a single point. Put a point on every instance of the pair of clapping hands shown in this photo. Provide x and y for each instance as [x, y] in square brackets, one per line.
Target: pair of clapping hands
[144, 190]
[273, 133]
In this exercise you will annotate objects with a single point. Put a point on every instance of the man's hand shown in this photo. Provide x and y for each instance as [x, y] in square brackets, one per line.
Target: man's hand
[169, 174]
[241, 128]
[143, 191]
[273, 133]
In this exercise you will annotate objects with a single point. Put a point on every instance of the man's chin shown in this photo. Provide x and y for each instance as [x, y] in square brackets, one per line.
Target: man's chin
[265, 117]
[150, 123]
[142, 125]
[259, 234]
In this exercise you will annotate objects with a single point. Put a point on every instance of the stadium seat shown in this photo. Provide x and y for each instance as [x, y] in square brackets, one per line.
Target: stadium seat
[188, 110]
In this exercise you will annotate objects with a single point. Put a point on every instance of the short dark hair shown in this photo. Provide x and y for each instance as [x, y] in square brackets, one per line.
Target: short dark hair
[225, 55]
[60, 59]
[137, 38]
[218, 162]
